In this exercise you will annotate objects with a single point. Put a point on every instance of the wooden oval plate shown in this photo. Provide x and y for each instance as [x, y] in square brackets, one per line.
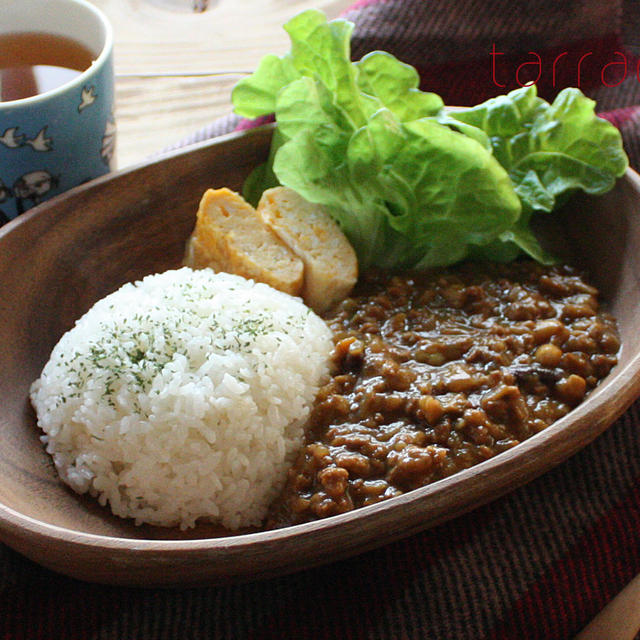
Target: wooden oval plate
[59, 258]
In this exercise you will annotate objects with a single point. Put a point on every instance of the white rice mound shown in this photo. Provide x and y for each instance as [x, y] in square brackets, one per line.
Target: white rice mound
[183, 397]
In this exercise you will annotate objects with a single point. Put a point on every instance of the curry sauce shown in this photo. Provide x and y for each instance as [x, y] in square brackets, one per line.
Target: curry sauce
[436, 372]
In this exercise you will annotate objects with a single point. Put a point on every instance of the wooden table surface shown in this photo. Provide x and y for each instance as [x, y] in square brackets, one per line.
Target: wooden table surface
[168, 37]
[155, 109]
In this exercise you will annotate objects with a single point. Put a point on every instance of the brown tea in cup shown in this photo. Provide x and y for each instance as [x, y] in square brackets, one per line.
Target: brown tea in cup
[34, 63]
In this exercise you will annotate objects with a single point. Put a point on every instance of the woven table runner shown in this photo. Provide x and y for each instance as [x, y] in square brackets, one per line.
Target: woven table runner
[537, 563]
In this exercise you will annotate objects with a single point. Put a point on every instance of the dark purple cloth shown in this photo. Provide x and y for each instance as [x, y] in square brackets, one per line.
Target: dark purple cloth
[536, 564]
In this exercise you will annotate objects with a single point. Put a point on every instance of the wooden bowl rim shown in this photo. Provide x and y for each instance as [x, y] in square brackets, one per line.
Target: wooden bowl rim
[627, 378]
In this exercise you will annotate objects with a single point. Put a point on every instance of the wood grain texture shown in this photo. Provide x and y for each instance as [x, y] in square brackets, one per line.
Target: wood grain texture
[620, 619]
[59, 258]
[155, 113]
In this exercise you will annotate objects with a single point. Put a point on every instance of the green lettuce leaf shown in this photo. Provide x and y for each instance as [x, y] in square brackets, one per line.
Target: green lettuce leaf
[413, 184]
[320, 50]
[363, 140]
[395, 85]
[405, 194]
[549, 151]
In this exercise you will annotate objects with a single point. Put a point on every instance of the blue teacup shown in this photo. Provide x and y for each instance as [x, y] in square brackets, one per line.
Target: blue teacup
[62, 136]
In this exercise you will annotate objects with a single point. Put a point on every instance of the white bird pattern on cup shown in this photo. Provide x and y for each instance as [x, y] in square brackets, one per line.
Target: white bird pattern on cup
[40, 142]
[88, 98]
[54, 133]
[109, 142]
[12, 140]
[32, 186]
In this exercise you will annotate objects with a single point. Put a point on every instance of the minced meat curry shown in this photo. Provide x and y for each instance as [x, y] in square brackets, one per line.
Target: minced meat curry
[433, 373]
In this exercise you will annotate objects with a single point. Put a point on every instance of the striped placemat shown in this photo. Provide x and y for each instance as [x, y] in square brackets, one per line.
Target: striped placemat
[537, 563]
